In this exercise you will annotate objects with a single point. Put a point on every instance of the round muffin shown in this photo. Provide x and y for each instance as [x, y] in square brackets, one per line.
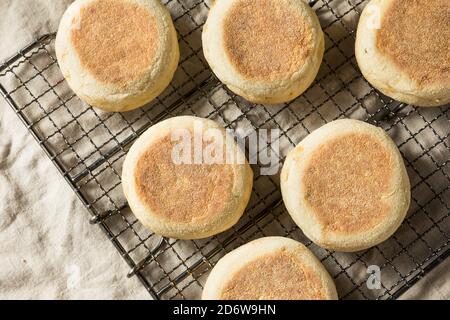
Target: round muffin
[117, 55]
[402, 48]
[176, 193]
[267, 51]
[271, 268]
[346, 186]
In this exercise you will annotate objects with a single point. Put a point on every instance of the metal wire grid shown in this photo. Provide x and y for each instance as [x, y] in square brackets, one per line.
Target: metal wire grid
[88, 148]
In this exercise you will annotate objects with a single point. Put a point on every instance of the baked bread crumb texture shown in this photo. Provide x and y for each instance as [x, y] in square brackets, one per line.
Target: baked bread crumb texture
[402, 49]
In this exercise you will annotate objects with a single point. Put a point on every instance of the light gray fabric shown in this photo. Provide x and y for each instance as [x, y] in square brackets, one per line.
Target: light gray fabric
[48, 249]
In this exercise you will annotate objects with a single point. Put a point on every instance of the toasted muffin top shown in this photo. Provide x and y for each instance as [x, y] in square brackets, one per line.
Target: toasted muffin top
[266, 39]
[280, 275]
[415, 35]
[183, 193]
[347, 181]
[115, 40]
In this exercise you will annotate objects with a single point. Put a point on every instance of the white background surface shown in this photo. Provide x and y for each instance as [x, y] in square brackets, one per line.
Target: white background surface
[48, 248]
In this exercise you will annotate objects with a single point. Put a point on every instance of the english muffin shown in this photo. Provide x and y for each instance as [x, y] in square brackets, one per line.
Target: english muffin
[267, 51]
[402, 48]
[117, 55]
[346, 186]
[186, 178]
[272, 268]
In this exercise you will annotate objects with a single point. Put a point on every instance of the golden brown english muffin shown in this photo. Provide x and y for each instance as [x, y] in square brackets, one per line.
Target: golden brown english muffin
[346, 186]
[271, 268]
[402, 48]
[187, 197]
[117, 55]
[268, 51]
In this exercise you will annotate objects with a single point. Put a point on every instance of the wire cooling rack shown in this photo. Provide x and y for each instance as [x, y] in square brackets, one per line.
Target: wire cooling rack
[88, 148]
